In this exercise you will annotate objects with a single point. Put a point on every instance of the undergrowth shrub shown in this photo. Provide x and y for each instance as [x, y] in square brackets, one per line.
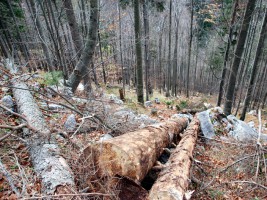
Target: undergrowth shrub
[51, 78]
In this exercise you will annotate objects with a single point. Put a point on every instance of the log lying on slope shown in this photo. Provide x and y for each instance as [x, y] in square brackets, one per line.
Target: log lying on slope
[49, 165]
[133, 154]
[173, 179]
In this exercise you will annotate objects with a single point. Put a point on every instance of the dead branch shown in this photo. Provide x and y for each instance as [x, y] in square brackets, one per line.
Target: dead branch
[14, 127]
[5, 136]
[251, 182]
[69, 195]
[237, 161]
[9, 179]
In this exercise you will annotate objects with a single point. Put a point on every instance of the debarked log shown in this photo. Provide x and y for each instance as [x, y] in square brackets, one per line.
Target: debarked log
[172, 182]
[133, 154]
[49, 165]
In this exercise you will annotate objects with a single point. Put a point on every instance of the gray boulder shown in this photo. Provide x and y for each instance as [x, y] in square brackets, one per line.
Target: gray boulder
[70, 123]
[114, 99]
[205, 124]
[242, 131]
[157, 101]
[7, 101]
[148, 104]
[188, 116]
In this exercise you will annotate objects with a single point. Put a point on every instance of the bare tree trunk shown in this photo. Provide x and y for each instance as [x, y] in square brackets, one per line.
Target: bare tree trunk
[238, 55]
[4, 48]
[190, 49]
[121, 56]
[139, 70]
[39, 28]
[76, 37]
[174, 79]
[79, 72]
[23, 46]
[101, 57]
[226, 55]
[147, 49]
[168, 82]
[259, 52]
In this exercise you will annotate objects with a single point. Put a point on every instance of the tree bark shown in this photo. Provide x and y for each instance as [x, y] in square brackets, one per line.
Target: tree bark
[147, 49]
[38, 26]
[139, 69]
[173, 180]
[168, 82]
[75, 34]
[226, 55]
[88, 52]
[52, 168]
[259, 52]
[175, 54]
[189, 49]
[238, 55]
[133, 154]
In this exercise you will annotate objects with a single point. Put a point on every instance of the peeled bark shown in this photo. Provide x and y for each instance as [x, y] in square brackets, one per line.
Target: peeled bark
[48, 164]
[133, 154]
[173, 180]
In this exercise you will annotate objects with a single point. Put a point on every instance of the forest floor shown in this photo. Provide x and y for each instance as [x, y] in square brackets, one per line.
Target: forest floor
[221, 169]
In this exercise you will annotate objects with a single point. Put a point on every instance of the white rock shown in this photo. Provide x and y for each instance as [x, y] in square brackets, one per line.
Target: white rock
[105, 137]
[252, 112]
[80, 87]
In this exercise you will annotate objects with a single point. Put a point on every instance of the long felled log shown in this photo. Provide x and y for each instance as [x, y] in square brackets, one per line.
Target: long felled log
[173, 179]
[49, 165]
[133, 154]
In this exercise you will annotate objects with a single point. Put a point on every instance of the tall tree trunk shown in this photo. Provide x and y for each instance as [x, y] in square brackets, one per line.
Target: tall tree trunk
[169, 56]
[147, 46]
[139, 69]
[23, 46]
[121, 56]
[4, 48]
[237, 56]
[226, 55]
[101, 57]
[174, 77]
[259, 52]
[35, 17]
[189, 49]
[89, 49]
[160, 58]
[75, 34]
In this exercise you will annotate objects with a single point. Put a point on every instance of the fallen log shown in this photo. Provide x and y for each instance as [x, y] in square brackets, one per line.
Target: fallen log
[172, 182]
[48, 164]
[133, 154]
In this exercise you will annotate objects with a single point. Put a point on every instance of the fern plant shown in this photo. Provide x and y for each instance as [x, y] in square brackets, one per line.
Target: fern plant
[52, 78]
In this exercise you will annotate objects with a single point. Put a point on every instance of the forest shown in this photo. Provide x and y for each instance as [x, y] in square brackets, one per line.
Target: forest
[133, 99]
